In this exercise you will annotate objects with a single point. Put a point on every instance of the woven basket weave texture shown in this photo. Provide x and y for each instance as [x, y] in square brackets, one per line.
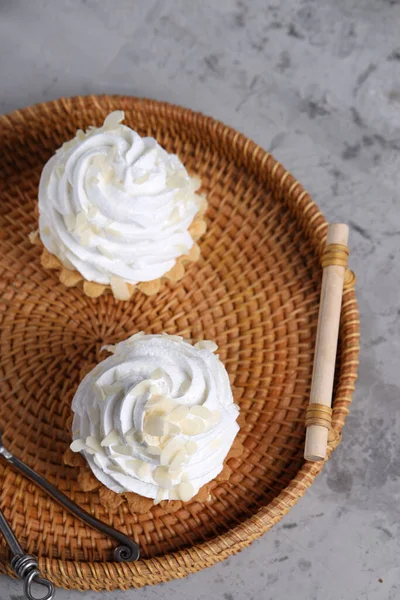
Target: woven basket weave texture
[255, 291]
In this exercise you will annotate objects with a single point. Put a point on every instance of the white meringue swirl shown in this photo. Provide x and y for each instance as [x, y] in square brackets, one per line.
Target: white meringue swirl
[156, 418]
[115, 205]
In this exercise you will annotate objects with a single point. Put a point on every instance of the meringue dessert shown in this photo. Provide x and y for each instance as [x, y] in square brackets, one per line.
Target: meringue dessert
[157, 418]
[116, 211]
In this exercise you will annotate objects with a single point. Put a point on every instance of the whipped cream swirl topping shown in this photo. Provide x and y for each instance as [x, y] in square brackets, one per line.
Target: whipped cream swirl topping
[114, 205]
[156, 418]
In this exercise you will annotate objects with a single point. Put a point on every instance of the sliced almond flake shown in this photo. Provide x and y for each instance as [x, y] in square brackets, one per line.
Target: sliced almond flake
[159, 495]
[186, 491]
[173, 493]
[154, 426]
[175, 216]
[155, 389]
[153, 450]
[130, 438]
[134, 437]
[133, 463]
[192, 426]
[167, 404]
[112, 388]
[98, 161]
[61, 255]
[181, 195]
[144, 470]
[108, 173]
[85, 237]
[103, 250]
[119, 288]
[116, 468]
[121, 449]
[100, 393]
[195, 183]
[78, 446]
[80, 220]
[111, 438]
[173, 429]
[206, 345]
[171, 448]
[141, 388]
[112, 120]
[178, 414]
[184, 477]
[176, 181]
[201, 411]
[70, 221]
[191, 447]
[117, 374]
[176, 474]
[162, 478]
[155, 397]
[158, 373]
[92, 212]
[114, 232]
[179, 459]
[67, 145]
[160, 405]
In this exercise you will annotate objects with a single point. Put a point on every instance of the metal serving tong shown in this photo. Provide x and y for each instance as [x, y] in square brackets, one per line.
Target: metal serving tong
[26, 566]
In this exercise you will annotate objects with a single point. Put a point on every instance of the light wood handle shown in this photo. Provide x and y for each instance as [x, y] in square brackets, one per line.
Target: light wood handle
[326, 344]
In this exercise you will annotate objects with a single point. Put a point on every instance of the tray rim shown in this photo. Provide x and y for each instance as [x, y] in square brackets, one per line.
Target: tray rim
[67, 573]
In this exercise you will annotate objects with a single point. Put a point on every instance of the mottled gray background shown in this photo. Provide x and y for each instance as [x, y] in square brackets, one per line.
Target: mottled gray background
[318, 83]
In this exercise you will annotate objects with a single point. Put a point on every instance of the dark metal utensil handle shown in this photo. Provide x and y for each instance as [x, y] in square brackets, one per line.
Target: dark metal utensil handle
[25, 566]
[127, 551]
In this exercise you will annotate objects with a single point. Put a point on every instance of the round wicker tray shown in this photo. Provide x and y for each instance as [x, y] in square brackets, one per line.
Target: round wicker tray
[255, 291]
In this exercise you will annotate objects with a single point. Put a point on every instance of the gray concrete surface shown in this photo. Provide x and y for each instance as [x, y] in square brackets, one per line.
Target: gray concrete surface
[318, 83]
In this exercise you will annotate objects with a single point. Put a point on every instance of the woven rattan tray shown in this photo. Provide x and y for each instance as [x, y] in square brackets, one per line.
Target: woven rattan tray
[255, 291]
